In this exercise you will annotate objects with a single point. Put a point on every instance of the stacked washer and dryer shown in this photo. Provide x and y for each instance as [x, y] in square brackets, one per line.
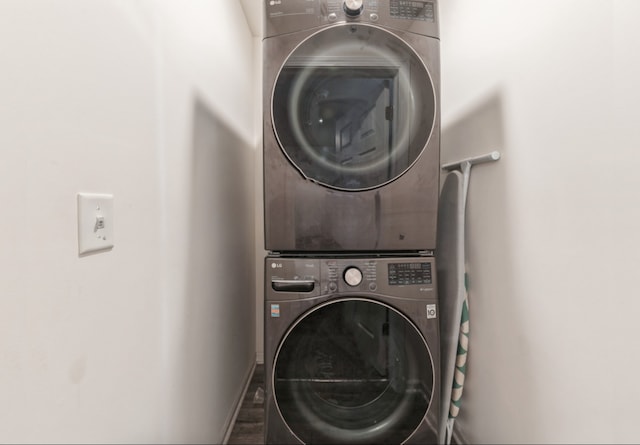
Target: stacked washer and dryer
[351, 178]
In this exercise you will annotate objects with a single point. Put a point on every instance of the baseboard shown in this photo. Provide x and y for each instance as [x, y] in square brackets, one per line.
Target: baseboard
[238, 405]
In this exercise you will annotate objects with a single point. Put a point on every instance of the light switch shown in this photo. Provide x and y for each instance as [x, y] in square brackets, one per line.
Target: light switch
[95, 222]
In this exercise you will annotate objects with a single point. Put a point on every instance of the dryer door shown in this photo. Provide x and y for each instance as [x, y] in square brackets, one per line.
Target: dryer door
[353, 371]
[353, 107]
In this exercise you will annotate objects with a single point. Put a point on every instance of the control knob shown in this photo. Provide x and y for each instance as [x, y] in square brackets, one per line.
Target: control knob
[352, 276]
[353, 8]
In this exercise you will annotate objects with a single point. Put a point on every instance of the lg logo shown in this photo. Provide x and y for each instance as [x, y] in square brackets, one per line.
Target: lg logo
[276, 265]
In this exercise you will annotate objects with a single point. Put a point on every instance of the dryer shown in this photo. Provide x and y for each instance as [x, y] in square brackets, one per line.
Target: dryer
[351, 125]
[351, 350]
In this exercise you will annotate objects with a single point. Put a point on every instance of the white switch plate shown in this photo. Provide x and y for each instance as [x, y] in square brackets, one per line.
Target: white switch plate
[95, 222]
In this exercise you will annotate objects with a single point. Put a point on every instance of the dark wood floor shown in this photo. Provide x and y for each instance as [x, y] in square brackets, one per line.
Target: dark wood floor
[249, 426]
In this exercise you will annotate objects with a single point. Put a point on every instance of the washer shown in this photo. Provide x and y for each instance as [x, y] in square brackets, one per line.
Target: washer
[351, 350]
[351, 125]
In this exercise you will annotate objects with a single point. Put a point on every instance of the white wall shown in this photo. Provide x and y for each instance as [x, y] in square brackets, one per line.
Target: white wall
[151, 101]
[553, 241]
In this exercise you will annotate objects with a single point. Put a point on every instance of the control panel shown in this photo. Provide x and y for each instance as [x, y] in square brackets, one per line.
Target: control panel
[412, 10]
[417, 16]
[409, 273]
[292, 278]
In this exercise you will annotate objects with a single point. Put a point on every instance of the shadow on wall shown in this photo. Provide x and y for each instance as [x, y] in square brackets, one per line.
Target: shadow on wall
[218, 347]
[499, 396]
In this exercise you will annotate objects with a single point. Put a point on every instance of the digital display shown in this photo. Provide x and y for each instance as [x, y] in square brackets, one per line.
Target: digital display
[409, 273]
[413, 10]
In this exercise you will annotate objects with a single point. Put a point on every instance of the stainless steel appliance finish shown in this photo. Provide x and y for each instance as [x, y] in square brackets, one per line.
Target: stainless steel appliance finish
[351, 350]
[351, 125]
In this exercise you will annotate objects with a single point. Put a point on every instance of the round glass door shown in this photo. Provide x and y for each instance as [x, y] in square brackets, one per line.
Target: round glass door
[353, 371]
[353, 107]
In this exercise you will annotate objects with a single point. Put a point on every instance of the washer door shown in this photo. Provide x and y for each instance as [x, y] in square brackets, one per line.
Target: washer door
[353, 371]
[353, 107]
